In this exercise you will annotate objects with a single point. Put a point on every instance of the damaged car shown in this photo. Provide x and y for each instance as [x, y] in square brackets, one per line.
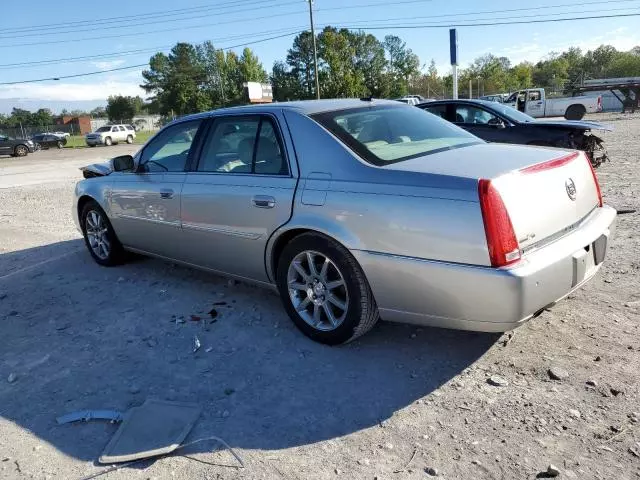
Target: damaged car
[495, 122]
[354, 211]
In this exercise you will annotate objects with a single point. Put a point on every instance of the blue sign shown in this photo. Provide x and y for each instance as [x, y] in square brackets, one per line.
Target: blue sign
[453, 46]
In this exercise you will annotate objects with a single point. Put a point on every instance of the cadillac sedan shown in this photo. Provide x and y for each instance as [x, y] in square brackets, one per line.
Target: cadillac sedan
[356, 210]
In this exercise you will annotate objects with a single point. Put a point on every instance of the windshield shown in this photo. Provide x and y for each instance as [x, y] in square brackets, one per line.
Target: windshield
[511, 113]
[386, 134]
[104, 129]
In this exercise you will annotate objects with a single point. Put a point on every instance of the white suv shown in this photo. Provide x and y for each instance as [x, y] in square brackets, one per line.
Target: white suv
[110, 134]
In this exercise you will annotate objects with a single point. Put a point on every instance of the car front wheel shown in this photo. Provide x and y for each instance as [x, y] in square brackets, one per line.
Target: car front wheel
[60, 144]
[99, 236]
[108, 142]
[324, 290]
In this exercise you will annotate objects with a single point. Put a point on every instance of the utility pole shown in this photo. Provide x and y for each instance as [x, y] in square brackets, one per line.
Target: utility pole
[315, 50]
[470, 88]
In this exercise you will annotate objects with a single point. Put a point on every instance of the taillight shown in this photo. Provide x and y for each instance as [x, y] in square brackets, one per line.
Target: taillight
[549, 164]
[599, 103]
[595, 180]
[501, 239]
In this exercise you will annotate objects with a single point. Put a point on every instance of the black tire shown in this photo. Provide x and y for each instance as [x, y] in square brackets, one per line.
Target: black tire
[37, 147]
[108, 142]
[92, 145]
[361, 312]
[130, 139]
[116, 254]
[575, 112]
[20, 151]
[60, 144]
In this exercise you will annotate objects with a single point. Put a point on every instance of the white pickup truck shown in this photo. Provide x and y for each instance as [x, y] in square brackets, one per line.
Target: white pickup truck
[533, 102]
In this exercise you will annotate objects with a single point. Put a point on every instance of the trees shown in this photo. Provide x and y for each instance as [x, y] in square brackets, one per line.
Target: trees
[403, 65]
[194, 78]
[121, 109]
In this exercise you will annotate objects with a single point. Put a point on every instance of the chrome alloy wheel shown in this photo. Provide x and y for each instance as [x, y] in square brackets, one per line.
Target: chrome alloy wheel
[317, 290]
[97, 234]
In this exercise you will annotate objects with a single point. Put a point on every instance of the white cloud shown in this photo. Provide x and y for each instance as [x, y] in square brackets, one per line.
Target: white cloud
[534, 51]
[107, 64]
[56, 91]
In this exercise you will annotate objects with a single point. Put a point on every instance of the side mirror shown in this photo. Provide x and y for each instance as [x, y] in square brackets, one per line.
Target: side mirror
[122, 163]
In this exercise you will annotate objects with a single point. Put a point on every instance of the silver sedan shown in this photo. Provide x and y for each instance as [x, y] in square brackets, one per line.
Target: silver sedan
[356, 210]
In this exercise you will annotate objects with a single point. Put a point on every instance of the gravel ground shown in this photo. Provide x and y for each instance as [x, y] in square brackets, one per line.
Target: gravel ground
[400, 403]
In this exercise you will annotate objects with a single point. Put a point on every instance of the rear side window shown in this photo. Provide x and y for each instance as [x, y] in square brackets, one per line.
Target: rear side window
[439, 110]
[386, 134]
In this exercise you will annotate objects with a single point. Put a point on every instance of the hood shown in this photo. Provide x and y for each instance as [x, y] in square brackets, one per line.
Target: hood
[97, 170]
[576, 124]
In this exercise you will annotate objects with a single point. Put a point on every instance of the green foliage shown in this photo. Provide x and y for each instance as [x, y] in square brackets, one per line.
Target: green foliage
[122, 109]
[19, 116]
[195, 78]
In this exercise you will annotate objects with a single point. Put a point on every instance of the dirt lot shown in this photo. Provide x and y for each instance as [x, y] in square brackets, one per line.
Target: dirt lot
[399, 401]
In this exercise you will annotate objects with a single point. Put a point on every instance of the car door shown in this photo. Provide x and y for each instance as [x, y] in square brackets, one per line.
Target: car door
[122, 133]
[5, 145]
[145, 204]
[534, 106]
[482, 123]
[238, 194]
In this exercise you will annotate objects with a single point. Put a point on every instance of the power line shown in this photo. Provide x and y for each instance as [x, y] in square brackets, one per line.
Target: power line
[160, 13]
[448, 25]
[509, 10]
[130, 67]
[154, 22]
[139, 51]
[537, 15]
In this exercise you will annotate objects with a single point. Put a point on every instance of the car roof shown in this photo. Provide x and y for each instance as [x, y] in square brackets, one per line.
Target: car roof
[468, 101]
[306, 107]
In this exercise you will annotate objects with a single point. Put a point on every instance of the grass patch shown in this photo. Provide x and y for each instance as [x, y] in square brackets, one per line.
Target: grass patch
[77, 141]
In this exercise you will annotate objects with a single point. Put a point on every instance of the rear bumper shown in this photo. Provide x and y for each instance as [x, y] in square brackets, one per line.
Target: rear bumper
[480, 298]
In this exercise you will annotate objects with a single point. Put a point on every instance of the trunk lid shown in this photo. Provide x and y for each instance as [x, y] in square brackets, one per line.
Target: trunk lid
[549, 199]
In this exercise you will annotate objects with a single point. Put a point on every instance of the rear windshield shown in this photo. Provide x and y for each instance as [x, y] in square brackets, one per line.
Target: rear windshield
[386, 134]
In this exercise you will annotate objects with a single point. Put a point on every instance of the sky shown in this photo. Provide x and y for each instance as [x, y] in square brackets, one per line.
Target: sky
[51, 35]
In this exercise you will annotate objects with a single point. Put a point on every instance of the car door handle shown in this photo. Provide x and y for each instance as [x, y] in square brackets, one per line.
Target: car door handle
[263, 201]
[166, 193]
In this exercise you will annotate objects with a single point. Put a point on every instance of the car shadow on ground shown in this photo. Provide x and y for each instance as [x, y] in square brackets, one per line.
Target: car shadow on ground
[80, 336]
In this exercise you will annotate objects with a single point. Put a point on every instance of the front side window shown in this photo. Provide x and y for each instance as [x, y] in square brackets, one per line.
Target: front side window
[468, 114]
[386, 134]
[243, 145]
[104, 129]
[169, 150]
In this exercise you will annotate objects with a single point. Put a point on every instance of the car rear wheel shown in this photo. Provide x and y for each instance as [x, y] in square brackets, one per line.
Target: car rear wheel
[324, 290]
[130, 139]
[99, 236]
[20, 151]
[60, 144]
[37, 147]
[108, 142]
[575, 112]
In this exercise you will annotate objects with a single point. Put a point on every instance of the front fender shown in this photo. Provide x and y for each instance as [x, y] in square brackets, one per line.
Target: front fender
[97, 189]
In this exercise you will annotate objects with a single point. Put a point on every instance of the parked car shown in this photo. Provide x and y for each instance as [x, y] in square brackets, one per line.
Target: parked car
[495, 122]
[355, 210]
[48, 140]
[533, 102]
[16, 147]
[494, 98]
[110, 134]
